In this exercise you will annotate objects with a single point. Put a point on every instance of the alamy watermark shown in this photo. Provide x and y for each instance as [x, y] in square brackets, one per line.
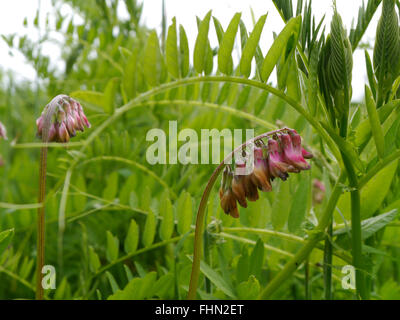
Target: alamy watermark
[189, 153]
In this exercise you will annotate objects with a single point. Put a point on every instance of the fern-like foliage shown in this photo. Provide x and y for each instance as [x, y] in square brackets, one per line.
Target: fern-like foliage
[387, 49]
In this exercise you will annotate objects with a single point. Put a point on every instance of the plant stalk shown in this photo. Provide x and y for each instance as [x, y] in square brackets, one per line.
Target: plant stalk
[356, 238]
[41, 223]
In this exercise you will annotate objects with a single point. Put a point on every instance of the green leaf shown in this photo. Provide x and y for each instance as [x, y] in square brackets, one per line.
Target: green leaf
[111, 189]
[184, 52]
[184, 213]
[150, 60]
[300, 203]
[130, 75]
[132, 237]
[79, 200]
[251, 46]
[375, 123]
[371, 225]
[372, 194]
[375, 191]
[113, 283]
[167, 223]
[5, 239]
[363, 132]
[137, 288]
[364, 18]
[243, 265]
[216, 279]
[172, 50]
[164, 286]
[248, 290]
[91, 97]
[370, 73]
[281, 206]
[219, 30]
[275, 52]
[112, 247]
[109, 95]
[225, 50]
[201, 45]
[257, 258]
[94, 261]
[149, 229]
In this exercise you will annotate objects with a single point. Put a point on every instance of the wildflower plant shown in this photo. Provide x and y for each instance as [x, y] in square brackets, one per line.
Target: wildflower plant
[325, 181]
[59, 121]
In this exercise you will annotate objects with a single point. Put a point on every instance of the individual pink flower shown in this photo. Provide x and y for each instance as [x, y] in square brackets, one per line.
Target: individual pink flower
[292, 150]
[277, 166]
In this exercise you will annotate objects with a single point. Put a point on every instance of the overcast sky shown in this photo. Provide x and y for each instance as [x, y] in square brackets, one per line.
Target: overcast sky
[12, 14]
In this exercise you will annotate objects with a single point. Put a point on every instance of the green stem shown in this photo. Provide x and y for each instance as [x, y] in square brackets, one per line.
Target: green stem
[41, 224]
[307, 280]
[328, 250]
[356, 229]
[304, 252]
[47, 122]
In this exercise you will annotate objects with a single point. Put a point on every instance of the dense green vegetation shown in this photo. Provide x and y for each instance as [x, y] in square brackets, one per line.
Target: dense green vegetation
[118, 227]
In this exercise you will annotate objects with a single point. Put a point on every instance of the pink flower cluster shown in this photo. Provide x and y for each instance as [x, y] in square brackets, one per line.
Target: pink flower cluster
[282, 155]
[67, 118]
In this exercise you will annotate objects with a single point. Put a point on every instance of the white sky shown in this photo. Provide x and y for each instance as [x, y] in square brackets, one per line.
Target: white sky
[13, 12]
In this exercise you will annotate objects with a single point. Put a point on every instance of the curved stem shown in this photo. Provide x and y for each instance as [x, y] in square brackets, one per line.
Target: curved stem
[200, 215]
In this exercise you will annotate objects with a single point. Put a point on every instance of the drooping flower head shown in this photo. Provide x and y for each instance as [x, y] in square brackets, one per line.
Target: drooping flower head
[283, 154]
[63, 116]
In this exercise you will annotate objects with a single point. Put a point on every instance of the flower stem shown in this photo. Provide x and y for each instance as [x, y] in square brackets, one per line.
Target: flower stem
[42, 197]
[41, 223]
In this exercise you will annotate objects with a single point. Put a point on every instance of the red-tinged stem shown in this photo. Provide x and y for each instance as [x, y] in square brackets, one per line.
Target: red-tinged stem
[47, 122]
